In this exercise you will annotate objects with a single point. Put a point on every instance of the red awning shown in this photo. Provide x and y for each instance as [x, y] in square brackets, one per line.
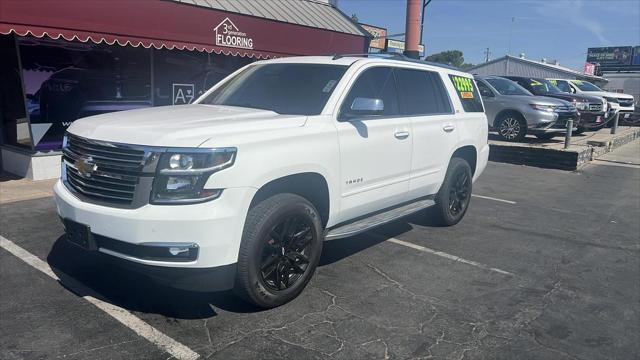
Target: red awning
[171, 25]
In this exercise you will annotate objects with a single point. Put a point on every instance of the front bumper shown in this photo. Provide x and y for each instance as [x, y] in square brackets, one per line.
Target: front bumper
[542, 122]
[214, 226]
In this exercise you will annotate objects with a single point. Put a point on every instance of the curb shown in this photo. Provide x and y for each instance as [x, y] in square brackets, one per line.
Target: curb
[550, 158]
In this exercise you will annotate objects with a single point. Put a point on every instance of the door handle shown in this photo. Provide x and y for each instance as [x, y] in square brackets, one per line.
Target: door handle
[448, 128]
[401, 134]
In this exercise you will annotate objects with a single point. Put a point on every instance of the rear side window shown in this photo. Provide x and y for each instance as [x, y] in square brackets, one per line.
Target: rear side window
[375, 83]
[467, 93]
[422, 92]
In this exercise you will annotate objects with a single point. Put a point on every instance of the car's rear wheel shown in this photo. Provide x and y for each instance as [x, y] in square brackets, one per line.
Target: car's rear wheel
[454, 196]
[511, 127]
[280, 249]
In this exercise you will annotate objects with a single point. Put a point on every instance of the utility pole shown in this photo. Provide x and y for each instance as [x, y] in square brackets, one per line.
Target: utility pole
[513, 19]
[412, 29]
[487, 54]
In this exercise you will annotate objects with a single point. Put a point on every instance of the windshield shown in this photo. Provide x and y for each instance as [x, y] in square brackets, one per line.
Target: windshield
[292, 89]
[543, 87]
[585, 85]
[507, 87]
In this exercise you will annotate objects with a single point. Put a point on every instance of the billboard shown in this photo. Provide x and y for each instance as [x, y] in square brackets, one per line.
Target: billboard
[614, 57]
[379, 36]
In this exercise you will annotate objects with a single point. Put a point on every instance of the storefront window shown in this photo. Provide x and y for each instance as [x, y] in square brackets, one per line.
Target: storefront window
[68, 80]
[14, 125]
[180, 77]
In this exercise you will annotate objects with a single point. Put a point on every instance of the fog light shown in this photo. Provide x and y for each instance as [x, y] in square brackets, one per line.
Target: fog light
[175, 183]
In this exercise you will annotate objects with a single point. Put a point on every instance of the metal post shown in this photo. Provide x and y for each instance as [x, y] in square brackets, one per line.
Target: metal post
[614, 127]
[567, 136]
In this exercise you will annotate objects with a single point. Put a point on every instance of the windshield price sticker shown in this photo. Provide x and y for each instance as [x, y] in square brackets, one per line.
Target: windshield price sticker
[464, 86]
[536, 83]
[554, 82]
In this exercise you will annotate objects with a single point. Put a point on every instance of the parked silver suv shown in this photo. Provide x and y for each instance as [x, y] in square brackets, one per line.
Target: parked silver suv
[513, 112]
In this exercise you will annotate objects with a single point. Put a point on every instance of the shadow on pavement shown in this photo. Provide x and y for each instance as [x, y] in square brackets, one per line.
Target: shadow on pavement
[134, 291]
[138, 293]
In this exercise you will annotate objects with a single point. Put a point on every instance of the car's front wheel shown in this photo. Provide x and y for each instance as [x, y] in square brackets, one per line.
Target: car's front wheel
[511, 127]
[452, 200]
[280, 249]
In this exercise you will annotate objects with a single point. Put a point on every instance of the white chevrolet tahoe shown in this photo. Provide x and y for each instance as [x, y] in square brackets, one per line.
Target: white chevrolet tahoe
[240, 189]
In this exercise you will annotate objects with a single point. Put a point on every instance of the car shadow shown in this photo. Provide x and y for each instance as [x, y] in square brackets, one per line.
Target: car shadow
[98, 275]
[101, 277]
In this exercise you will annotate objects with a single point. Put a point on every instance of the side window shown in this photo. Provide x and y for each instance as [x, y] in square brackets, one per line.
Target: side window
[484, 90]
[467, 93]
[422, 92]
[375, 83]
[563, 85]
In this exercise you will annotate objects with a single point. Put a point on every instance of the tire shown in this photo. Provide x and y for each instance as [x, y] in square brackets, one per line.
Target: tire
[547, 136]
[511, 127]
[443, 213]
[270, 271]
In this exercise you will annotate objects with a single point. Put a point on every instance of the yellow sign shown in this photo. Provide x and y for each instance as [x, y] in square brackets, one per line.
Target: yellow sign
[464, 86]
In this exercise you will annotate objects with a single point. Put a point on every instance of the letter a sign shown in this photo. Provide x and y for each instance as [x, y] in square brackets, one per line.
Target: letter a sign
[183, 94]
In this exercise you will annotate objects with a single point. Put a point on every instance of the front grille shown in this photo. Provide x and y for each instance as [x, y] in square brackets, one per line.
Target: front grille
[625, 102]
[101, 170]
[595, 107]
[564, 108]
[561, 123]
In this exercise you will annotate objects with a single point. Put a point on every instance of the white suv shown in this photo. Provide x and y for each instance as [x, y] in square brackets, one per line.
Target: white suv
[239, 189]
[622, 103]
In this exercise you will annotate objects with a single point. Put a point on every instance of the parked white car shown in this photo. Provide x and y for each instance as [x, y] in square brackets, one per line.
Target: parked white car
[622, 103]
[240, 189]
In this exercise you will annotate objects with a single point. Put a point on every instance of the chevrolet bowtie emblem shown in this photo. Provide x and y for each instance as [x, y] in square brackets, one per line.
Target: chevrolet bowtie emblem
[86, 166]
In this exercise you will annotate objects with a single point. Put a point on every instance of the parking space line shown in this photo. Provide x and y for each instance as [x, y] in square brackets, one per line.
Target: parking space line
[126, 318]
[494, 199]
[447, 256]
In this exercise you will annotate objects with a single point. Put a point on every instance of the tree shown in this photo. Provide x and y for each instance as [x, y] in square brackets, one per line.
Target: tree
[449, 57]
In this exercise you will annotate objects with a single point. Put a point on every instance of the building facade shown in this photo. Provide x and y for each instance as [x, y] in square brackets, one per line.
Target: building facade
[520, 66]
[64, 60]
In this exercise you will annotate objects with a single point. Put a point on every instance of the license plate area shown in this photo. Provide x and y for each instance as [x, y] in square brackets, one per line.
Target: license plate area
[80, 235]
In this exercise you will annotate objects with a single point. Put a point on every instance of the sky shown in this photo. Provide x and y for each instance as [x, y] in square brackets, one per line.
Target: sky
[553, 29]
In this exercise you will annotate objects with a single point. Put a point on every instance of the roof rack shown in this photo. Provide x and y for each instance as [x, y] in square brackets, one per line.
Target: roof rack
[396, 56]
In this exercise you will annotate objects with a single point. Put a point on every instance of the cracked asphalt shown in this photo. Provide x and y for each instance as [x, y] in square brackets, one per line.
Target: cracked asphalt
[569, 249]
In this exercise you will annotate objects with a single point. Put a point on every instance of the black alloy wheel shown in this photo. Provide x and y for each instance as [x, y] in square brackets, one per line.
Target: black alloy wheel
[459, 193]
[279, 251]
[284, 256]
[454, 196]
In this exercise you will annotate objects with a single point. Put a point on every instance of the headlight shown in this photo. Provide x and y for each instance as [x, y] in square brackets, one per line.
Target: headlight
[611, 99]
[181, 175]
[548, 108]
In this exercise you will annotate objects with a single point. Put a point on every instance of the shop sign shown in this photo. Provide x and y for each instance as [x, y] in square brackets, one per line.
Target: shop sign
[589, 69]
[379, 36]
[397, 46]
[227, 34]
[183, 94]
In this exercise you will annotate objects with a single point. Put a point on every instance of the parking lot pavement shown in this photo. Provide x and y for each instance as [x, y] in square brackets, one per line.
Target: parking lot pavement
[545, 265]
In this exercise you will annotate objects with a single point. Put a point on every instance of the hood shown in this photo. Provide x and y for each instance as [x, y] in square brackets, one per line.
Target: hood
[540, 100]
[609, 94]
[577, 97]
[181, 126]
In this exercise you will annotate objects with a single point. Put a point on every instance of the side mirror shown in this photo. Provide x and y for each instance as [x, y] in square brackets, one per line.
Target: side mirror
[366, 106]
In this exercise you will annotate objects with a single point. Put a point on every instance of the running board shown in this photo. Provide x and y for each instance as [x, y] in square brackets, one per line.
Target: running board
[378, 219]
